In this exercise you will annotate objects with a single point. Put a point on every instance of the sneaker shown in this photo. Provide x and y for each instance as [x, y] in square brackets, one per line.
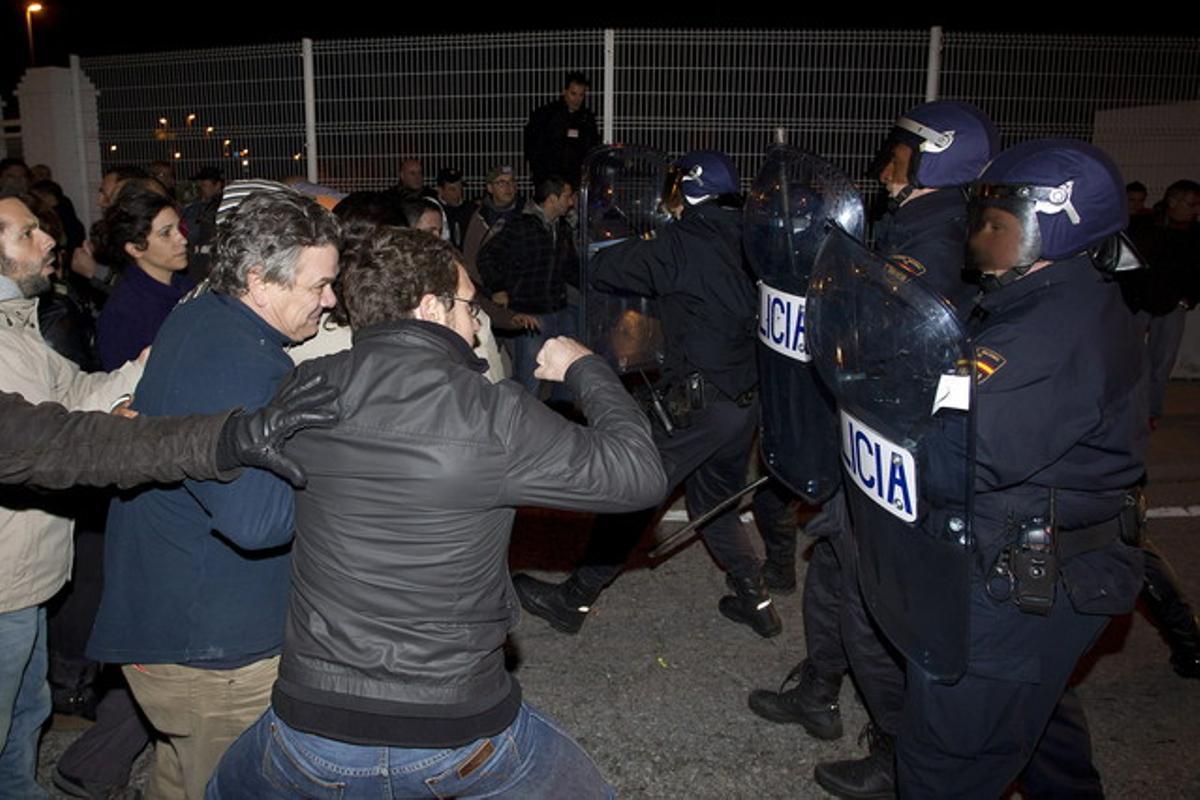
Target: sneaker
[812, 702]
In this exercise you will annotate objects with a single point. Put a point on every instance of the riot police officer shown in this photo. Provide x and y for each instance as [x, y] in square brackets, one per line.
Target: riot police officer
[705, 404]
[1059, 411]
[932, 152]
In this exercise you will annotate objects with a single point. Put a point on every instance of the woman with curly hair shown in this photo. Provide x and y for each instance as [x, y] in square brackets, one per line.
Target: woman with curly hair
[140, 232]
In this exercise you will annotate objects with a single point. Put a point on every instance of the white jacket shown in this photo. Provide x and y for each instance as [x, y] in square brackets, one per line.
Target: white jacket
[35, 546]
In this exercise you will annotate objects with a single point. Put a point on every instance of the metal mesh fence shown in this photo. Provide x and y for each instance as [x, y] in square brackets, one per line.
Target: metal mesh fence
[462, 101]
[834, 93]
[241, 109]
[453, 101]
[1038, 86]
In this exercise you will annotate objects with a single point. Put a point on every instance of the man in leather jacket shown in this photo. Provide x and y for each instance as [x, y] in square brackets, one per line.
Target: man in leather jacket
[401, 599]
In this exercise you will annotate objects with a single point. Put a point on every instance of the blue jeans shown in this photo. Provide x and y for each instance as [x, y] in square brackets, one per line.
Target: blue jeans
[24, 700]
[527, 344]
[531, 758]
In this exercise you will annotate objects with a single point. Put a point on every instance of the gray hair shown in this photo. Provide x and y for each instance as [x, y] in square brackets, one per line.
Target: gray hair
[267, 232]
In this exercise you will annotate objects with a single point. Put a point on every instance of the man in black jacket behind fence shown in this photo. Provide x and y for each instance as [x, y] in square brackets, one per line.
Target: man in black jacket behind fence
[401, 599]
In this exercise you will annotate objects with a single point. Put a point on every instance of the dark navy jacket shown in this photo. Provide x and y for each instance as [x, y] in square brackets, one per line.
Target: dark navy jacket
[696, 269]
[1060, 404]
[134, 313]
[929, 235]
[197, 573]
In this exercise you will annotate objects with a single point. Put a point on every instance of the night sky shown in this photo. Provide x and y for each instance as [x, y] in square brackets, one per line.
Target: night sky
[96, 27]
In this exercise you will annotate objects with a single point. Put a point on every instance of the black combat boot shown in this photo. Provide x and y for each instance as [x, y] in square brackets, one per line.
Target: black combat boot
[564, 605]
[1172, 613]
[870, 777]
[812, 702]
[751, 605]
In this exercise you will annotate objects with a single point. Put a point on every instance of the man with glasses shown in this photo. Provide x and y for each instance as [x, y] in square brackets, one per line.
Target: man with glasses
[401, 599]
[499, 205]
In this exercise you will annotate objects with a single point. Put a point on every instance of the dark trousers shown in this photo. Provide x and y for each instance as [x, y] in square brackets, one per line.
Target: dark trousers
[974, 737]
[105, 752]
[838, 628]
[709, 458]
[775, 519]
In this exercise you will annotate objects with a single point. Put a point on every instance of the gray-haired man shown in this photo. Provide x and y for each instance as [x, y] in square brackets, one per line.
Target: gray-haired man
[196, 575]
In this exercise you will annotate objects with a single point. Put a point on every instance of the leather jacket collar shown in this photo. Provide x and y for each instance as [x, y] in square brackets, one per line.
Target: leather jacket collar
[427, 334]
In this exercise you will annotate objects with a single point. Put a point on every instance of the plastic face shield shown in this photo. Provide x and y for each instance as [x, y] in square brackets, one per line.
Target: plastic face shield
[1025, 202]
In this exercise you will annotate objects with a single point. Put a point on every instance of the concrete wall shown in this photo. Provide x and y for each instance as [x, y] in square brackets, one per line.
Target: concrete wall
[60, 128]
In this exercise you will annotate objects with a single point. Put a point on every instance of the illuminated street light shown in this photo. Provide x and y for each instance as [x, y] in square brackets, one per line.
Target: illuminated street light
[30, 10]
[208, 131]
[163, 121]
[112, 148]
[191, 118]
[178, 154]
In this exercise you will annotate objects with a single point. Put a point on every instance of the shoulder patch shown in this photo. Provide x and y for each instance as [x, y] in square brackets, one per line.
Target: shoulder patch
[987, 363]
[909, 264]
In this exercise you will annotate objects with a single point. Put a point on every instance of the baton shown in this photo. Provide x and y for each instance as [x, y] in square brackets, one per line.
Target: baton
[666, 545]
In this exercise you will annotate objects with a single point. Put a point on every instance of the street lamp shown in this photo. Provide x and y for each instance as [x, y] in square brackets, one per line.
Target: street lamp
[30, 10]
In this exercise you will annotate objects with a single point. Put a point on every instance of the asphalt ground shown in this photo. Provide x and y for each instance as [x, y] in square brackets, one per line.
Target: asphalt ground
[655, 685]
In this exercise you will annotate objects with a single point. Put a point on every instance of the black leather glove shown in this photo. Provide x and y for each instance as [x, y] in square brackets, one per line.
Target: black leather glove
[256, 440]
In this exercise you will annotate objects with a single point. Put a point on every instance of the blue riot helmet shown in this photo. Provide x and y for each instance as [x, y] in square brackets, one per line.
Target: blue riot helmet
[950, 140]
[705, 174]
[1067, 197]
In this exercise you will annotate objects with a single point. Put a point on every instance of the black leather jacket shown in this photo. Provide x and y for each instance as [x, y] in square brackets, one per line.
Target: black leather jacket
[46, 446]
[401, 598]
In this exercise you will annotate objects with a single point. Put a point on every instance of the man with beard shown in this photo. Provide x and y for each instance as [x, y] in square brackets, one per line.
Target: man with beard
[35, 545]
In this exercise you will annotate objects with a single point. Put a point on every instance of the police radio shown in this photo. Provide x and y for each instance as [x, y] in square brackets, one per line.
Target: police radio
[1027, 570]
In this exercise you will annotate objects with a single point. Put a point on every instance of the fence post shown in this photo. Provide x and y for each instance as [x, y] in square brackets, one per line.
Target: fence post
[83, 178]
[933, 72]
[610, 70]
[310, 109]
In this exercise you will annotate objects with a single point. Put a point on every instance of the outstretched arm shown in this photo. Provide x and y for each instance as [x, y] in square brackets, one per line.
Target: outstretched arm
[48, 447]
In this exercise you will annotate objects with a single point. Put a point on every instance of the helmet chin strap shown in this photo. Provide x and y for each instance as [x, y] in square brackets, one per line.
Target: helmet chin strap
[991, 283]
[902, 195]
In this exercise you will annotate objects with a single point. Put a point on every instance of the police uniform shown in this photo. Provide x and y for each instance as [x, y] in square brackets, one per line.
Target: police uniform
[927, 236]
[1060, 415]
[695, 269]
[947, 142]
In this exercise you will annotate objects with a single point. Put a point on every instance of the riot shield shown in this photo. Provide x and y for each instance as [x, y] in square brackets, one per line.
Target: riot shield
[790, 204]
[898, 363]
[621, 196]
